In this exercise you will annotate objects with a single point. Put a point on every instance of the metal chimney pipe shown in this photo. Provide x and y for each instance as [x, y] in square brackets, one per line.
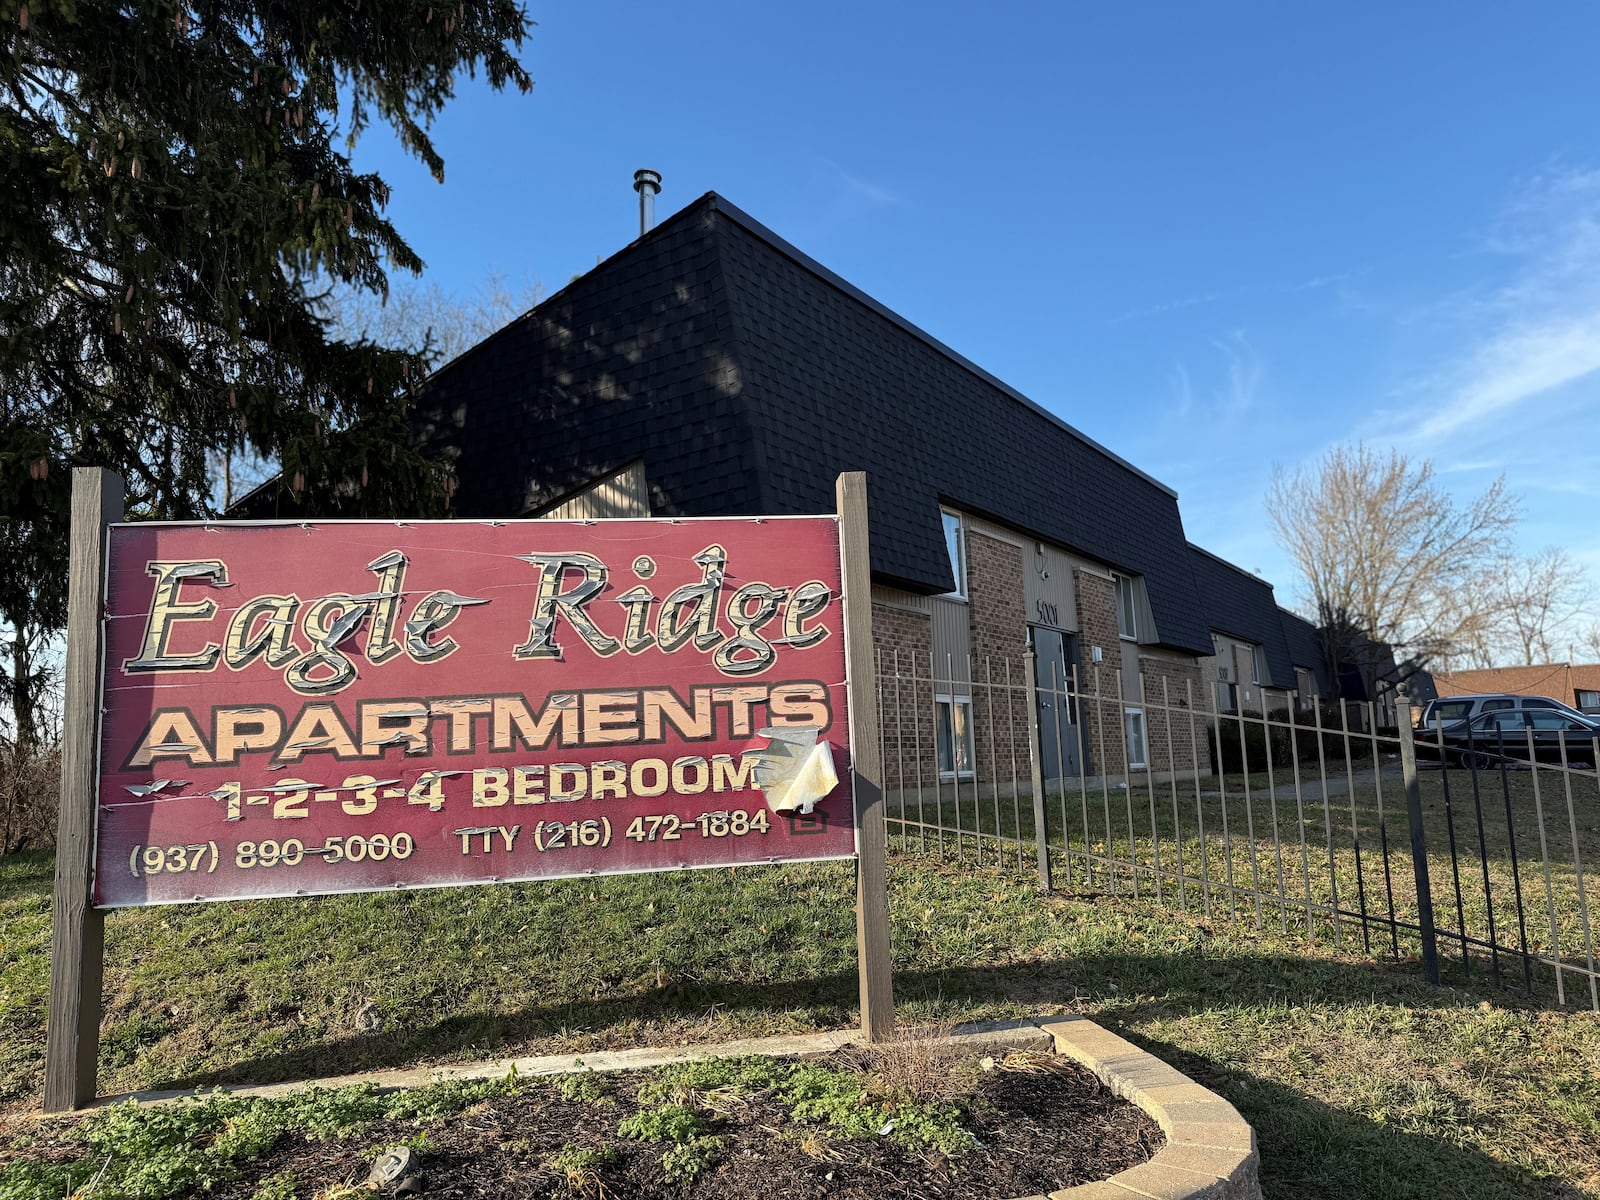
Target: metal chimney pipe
[647, 183]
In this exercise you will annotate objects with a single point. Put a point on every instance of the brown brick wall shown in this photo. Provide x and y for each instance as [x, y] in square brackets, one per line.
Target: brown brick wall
[1167, 724]
[906, 708]
[995, 600]
[999, 632]
[1003, 715]
[900, 630]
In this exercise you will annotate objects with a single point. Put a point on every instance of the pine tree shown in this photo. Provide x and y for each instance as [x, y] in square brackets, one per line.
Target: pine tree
[176, 193]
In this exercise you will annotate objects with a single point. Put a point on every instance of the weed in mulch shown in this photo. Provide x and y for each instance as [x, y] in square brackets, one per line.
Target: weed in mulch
[887, 1123]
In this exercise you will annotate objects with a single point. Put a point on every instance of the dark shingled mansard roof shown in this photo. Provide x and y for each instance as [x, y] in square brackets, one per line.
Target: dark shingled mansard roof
[1306, 650]
[1242, 605]
[746, 376]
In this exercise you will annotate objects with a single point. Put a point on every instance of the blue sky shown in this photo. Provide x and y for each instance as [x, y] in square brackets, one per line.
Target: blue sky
[1215, 237]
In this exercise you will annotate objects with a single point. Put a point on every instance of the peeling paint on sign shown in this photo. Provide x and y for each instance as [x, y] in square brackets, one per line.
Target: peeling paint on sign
[795, 771]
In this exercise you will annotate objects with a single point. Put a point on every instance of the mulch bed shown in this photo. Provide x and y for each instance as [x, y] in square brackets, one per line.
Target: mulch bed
[1038, 1131]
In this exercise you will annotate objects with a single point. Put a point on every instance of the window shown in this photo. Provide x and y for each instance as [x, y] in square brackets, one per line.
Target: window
[1588, 699]
[1496, 705]
[1258, 664]
[953, 717]
[1134, 721]
[1305, 689]
[1127, 609]
[1557, 720]
[1227, 696]
[956, 543]
[1501, 721]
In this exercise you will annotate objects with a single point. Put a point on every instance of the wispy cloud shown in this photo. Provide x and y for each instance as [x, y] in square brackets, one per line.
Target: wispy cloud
[1470, 466]
[1539, 330]
[1182, 389]
[1256, 289]
[1517, 363]
[1230, 389]
[1155, 310]
[1242, 377]
[861, 188]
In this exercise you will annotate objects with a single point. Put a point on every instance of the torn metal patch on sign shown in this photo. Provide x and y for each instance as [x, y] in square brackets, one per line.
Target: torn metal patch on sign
[794, 771]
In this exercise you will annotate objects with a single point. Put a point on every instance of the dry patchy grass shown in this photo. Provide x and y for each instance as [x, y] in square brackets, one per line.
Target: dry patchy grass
[1360, 1079]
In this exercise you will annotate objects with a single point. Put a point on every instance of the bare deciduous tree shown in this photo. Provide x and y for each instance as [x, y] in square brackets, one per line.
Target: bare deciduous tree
[430, 320]
[1537, 599]
[422, 317]
[1376, 537]
[1589, 639]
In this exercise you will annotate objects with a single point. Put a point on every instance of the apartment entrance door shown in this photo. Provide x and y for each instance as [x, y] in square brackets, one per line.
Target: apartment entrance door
[1055, 707]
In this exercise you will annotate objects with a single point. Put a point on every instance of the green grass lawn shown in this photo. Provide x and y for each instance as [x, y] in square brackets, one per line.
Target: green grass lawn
[1361, 1080]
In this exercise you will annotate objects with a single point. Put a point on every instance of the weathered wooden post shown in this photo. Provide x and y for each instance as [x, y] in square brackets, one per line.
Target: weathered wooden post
[872, 849]
[77, 940]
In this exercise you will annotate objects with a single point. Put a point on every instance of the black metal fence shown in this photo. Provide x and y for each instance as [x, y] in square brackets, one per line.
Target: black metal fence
[1466, 854]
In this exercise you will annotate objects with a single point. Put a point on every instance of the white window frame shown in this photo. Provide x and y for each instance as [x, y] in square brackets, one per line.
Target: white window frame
[1128, 715]
[1258, 665]
[1127, 603]
[957, 551]
[953, 702]
[1303, 694]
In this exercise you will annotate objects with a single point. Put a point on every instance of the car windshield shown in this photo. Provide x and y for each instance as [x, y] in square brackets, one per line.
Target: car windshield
[1445, 712]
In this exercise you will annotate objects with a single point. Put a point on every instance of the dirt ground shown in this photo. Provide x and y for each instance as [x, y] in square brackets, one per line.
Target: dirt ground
[1036, 1132]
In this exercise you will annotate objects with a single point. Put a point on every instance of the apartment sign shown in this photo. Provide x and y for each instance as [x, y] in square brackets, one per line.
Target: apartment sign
[351, 706]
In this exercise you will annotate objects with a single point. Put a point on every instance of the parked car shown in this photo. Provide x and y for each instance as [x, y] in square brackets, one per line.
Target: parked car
[1448, 710]
[1503, 735]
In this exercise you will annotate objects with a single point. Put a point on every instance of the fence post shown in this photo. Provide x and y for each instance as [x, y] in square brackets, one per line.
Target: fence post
[1419, 841]
[1041, 835]
[72, 1032]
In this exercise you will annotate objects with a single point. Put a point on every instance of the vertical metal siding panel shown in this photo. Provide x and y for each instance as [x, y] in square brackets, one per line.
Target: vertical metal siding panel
[895, 598]
[952, 642]
[625, 494]
[1148, 632]
[1053, 590]
[1244, 666]
[1130, 672]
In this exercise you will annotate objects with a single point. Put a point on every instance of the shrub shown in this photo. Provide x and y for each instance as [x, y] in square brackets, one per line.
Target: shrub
[1247, 743]
[30, 789]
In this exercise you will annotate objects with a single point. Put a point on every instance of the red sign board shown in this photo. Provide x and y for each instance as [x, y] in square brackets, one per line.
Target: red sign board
[302, 709]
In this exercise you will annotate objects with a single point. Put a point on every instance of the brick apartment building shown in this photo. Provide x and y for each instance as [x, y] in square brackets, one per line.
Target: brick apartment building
[1577, 684]
[712, 369]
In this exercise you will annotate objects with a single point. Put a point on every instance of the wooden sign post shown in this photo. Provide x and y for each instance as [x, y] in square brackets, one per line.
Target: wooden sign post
[872, 849]
[73, 1038]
